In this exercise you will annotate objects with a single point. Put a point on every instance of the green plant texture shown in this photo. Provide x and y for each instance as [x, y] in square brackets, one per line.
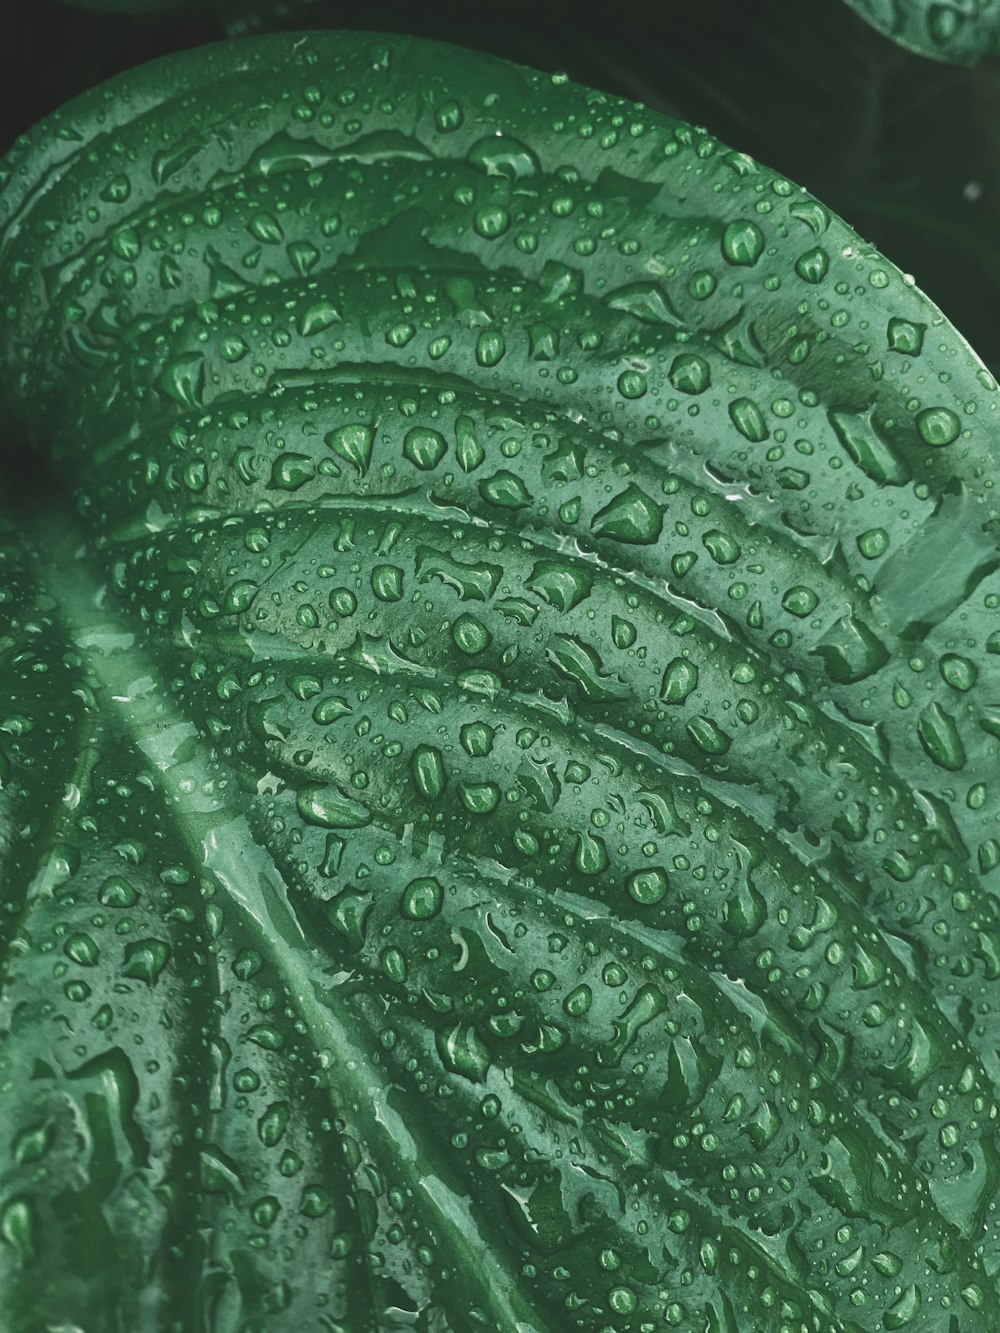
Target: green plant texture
[499, 723]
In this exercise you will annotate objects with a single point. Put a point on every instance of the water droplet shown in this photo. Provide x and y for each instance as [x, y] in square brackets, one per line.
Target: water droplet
[813, 265]
[938, 426]
[477, 739]
[145, 960]
[623, 632]
[291, 471]
[116, 891]
[746, 911]
[303, 257]
[748, 419]
[449, 116]
[17, 1228]
[168, 161]
[506, 490]
[644, 301]
[905, 1310]
[183, 379]
[689, 373]
[708, 736]
[873, 543]
[32, 1143]
[273, 1123]
[82, 949]
[330, 709]
[477, 581]
[316, 317]
[742, 243]
[481, 798]
[424, 447]
[578, 1001]
[648, 886]
[591, 855]
[265, 228]
[127, 244]
[679, 680]
[501, 155]
[630, 517]
[490, 348]
[461, 1051]
[422, 899]
[622, 1300]
[561, 585]
[328, 807]
[940, 738]
[723, 548]
[800, 600]
[581, 664]
[401, 334]
[959, 672]
[905, 337]
[632, 384]
[353, 442]
[491, 223]
[469, 452]
[850, 651]
[387, 583]
[394, 964]
[427, 767]
[470, 635]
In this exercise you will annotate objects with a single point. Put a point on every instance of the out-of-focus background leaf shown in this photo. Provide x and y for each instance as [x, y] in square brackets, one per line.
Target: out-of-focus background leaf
[962, 30]
[906, 149]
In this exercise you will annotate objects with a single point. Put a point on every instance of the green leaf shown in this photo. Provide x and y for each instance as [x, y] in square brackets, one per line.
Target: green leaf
[498, 779]
[960, 30]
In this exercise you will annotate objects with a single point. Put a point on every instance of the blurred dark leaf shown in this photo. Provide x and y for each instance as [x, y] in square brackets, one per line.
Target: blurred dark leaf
[942, 29]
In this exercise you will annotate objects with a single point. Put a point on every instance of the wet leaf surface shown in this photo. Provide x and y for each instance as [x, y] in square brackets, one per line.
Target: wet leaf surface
[498, 801]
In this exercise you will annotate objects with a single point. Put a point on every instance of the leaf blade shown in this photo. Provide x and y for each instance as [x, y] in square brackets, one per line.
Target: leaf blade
[391, 701]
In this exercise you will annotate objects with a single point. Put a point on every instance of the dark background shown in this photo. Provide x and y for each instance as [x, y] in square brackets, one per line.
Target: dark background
[904, 148]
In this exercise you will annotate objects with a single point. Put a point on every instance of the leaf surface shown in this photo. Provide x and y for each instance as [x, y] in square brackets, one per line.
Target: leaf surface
[498, 803]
